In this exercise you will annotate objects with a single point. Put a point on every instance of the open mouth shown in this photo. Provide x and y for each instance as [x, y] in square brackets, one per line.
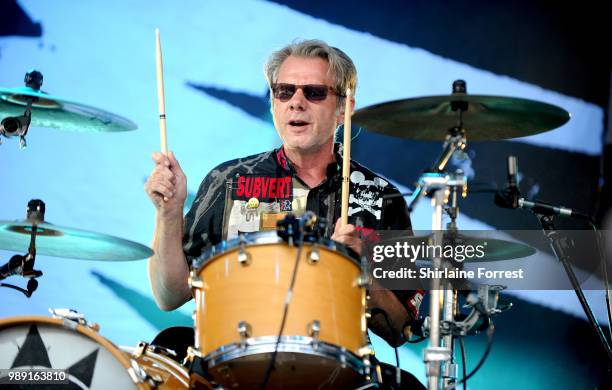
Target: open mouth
[298, 123]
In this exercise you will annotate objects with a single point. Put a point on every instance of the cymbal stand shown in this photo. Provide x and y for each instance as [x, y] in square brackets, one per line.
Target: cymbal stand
[24, 264]
[435, 353]
[439, 184]
[19, 125]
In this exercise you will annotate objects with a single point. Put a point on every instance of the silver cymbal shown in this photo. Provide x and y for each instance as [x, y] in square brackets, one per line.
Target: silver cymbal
[487, 118]
[53, 111]
[58, 241]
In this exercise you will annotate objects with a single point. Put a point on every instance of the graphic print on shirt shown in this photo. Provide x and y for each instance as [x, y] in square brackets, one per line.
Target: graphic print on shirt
[257, 202]
[366, 195]
[263, 188]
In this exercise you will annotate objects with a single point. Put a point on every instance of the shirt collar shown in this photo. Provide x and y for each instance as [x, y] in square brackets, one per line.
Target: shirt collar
[333, 169]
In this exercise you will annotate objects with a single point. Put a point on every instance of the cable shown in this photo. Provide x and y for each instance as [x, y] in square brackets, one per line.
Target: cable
[398, 375]
[604, 269]
[463, 362]
[285, 311]
[490, 332]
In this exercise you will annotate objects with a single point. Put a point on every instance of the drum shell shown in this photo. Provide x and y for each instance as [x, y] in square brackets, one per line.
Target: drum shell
[327, 290]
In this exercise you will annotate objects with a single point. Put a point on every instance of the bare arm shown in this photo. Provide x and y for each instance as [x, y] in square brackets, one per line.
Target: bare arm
[391, 327]
[168, 270]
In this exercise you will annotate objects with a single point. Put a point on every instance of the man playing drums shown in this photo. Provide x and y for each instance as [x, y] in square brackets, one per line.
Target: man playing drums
[307, 81]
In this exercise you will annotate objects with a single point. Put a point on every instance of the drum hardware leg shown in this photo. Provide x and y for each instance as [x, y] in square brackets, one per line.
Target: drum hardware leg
[244, 330]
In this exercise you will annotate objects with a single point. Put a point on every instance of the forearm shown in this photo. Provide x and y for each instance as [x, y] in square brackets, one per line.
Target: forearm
[168, 269]
[390, 326]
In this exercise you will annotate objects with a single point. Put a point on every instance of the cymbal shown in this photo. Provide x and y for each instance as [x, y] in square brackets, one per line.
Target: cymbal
[487, 118]
[59, 113]
[494, 249]
[57, 241]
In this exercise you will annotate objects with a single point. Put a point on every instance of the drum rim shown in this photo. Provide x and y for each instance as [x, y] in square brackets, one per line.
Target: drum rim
[267, 238]
[288, 344]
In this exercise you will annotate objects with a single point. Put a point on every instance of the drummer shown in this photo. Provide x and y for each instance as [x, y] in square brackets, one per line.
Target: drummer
[307, 82]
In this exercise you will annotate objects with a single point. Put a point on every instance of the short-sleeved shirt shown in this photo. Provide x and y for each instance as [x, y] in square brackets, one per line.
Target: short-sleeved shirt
[251, 194]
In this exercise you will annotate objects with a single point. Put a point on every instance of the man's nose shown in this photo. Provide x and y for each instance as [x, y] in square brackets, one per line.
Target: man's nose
[298, 100]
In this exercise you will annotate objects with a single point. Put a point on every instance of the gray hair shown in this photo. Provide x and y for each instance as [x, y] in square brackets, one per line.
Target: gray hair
[341, 66]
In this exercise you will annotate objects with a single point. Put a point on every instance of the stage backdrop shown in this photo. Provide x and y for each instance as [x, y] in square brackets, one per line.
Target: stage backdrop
[102, 54]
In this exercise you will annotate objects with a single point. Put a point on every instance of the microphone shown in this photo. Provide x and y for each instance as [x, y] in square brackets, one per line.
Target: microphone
[509, 197]
[12, 124]
[32, 286]
[512, 164]
[548, 209]
[13, 267]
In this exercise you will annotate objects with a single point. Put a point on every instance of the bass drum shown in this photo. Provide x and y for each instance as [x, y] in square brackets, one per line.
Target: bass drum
[90, 360]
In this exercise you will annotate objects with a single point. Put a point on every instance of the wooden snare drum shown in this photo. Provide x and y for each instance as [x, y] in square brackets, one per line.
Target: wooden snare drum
[240, 288]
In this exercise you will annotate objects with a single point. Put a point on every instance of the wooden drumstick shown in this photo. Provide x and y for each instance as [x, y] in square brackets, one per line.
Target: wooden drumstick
[346, 159]
[161, 100]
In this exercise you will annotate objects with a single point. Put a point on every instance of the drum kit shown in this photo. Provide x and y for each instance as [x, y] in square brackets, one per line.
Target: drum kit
[251, 337]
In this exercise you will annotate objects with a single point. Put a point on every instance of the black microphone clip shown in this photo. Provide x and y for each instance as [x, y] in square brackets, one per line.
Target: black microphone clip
[508, 198]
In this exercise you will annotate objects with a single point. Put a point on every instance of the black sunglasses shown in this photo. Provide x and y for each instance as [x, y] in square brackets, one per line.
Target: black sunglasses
[312, 92]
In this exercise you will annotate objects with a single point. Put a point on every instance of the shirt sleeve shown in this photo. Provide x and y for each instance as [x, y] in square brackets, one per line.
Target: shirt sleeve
[204, 220]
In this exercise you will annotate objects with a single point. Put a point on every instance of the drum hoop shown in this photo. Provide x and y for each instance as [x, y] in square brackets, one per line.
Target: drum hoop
[83, 330]
[268, 238]
[290, 344]
[184, 379]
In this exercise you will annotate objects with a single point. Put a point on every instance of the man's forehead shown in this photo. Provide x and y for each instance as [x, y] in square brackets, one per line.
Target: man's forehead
[316, 69]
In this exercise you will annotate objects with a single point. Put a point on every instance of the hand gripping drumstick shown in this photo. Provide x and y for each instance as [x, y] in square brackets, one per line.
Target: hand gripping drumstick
[346, 159]
[161, 100]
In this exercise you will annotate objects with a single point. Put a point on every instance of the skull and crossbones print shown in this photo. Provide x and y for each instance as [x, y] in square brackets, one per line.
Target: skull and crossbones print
[366, 195]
